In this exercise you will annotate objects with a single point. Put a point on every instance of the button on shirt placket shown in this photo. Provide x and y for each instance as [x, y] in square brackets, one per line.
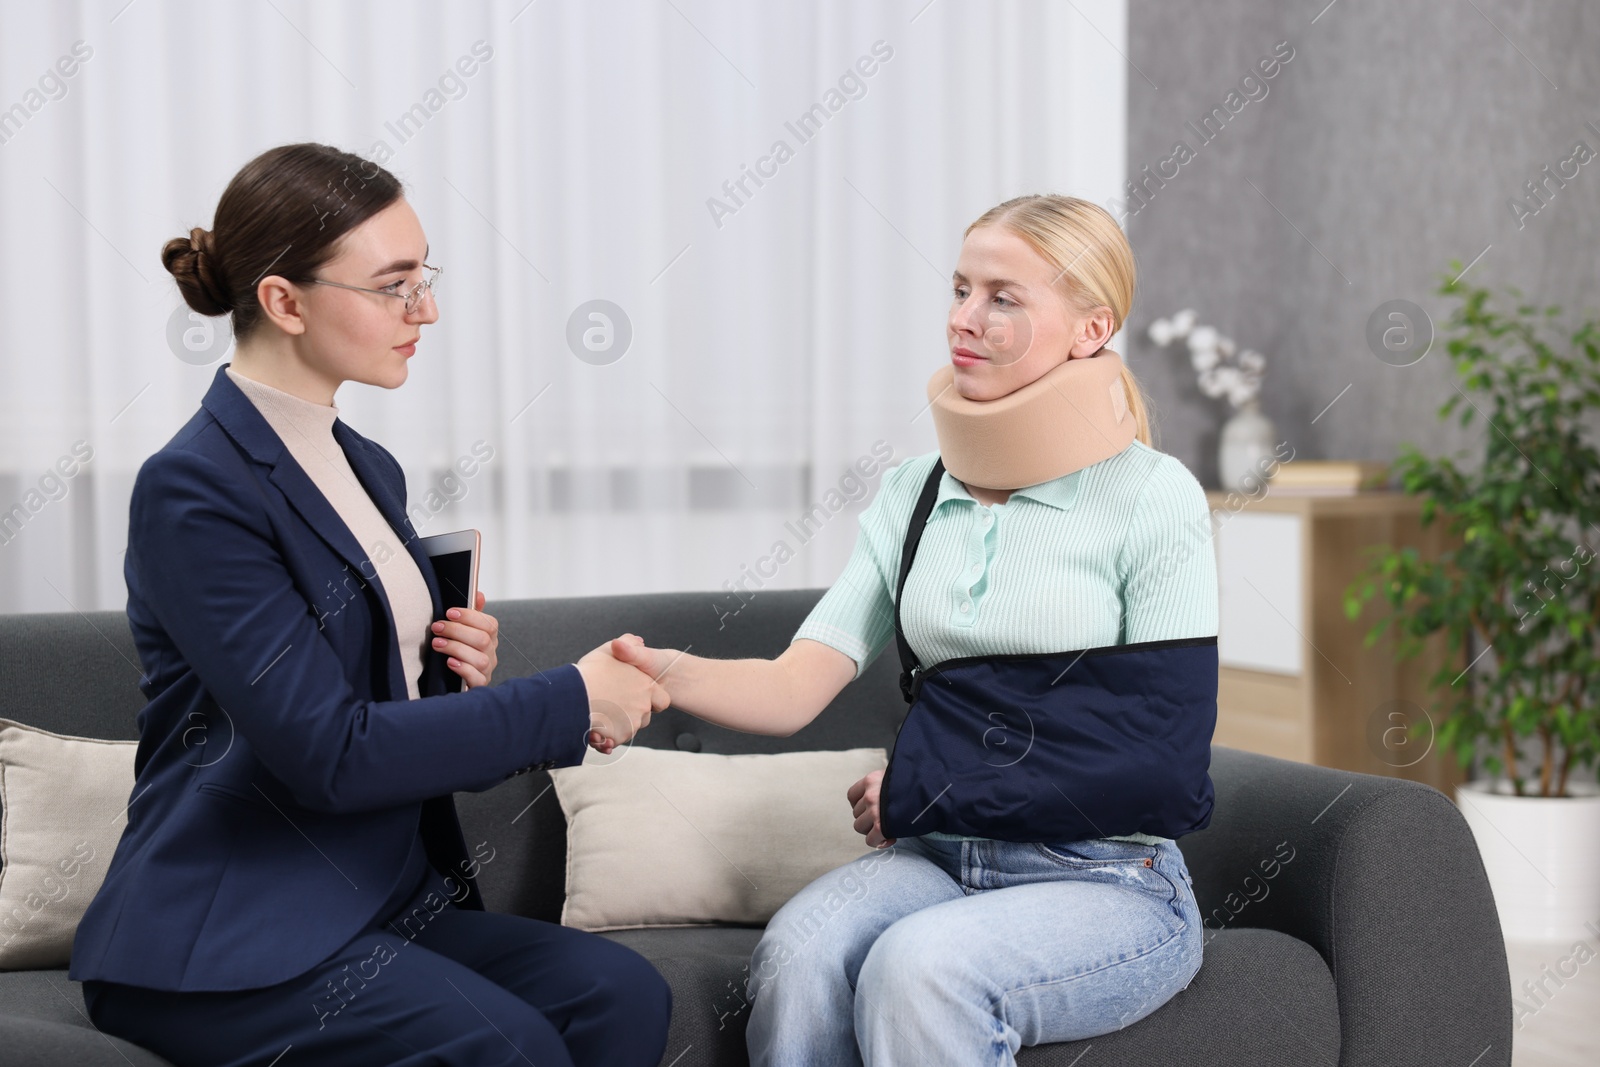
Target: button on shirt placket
[982, 527]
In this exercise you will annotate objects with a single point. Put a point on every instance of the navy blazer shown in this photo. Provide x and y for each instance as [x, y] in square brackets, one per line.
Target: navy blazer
[282, 772]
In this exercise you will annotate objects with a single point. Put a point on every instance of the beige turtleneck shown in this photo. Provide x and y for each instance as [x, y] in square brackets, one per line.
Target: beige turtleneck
[306, 429]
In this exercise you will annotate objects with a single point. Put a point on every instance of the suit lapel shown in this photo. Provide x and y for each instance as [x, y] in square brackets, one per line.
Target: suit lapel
[387, 489]
[239, 417]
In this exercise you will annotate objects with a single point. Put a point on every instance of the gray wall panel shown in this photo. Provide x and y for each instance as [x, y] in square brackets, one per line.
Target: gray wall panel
[1392, 142]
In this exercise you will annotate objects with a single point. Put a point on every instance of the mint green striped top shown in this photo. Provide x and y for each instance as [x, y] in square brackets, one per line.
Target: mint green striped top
[1116, 553]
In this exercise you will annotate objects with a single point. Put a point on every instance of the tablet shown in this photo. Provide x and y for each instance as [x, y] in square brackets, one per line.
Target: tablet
[455, 564]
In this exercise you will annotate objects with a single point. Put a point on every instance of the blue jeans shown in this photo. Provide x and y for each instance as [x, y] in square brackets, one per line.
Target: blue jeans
[939, 952]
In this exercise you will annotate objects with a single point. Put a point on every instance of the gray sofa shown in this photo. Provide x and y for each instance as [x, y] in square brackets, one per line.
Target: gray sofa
[1376, 944]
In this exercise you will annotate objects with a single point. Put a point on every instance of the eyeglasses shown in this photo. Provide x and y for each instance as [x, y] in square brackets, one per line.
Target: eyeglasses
[413, 297]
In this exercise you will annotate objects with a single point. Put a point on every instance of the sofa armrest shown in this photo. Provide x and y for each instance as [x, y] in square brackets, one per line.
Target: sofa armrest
[1381, 876]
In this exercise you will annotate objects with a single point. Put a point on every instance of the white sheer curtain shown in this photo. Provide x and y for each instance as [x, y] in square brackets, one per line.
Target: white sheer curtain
[775, 339]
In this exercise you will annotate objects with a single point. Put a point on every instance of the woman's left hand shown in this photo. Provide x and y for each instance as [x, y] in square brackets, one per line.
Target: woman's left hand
[469, 638]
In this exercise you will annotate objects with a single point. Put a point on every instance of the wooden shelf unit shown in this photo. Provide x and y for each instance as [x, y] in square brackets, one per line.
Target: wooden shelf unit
[1296, 681]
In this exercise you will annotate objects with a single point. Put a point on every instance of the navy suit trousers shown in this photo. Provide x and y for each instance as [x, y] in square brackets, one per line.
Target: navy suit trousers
[430, 985]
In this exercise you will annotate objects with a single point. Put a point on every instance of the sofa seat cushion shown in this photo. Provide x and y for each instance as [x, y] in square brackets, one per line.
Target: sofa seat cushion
[1261, 999]
[43, 1023]
[706, 967]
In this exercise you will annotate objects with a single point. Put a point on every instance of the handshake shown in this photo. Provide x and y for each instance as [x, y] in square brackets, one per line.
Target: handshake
[623, 678]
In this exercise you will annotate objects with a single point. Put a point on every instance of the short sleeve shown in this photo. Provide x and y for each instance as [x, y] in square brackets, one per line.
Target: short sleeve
[856, 614]
[1168, 563]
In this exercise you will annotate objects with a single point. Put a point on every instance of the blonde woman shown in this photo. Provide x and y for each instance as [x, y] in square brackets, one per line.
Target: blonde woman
[1059, 640]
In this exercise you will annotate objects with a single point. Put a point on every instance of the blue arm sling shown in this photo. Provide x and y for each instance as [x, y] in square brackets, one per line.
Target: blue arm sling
[1051, 746]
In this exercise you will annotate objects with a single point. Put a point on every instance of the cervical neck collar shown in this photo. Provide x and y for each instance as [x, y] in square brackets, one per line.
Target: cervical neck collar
[1075, 415]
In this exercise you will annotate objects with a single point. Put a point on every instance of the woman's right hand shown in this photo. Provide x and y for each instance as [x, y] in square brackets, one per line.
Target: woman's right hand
[761, 696]
[621, 698]
[864, 797]
[630, 648]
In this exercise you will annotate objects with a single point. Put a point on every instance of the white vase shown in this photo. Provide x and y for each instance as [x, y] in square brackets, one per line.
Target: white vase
[1246, 451]
[1542, 855]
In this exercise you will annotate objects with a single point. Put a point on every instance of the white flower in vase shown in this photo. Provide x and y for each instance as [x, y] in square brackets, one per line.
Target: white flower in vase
[1223, 369]
[1241, 392]
[1210, 353]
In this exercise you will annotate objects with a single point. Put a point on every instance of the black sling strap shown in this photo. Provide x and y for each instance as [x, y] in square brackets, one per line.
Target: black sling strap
[910, 671]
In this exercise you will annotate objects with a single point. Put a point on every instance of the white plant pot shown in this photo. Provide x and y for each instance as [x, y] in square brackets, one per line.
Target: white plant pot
[1542, 855]
[1246, 450]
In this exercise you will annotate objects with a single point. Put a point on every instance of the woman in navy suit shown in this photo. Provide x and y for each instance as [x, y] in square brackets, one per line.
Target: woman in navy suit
[301, 883]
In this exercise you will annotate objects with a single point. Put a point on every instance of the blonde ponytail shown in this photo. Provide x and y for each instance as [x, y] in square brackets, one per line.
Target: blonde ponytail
[1136, 404]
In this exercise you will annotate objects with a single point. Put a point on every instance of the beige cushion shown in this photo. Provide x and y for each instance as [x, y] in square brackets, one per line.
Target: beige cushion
[663, 838]
[63, 804]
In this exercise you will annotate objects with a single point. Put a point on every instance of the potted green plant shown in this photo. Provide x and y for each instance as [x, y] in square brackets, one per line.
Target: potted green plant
[1517, 600]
